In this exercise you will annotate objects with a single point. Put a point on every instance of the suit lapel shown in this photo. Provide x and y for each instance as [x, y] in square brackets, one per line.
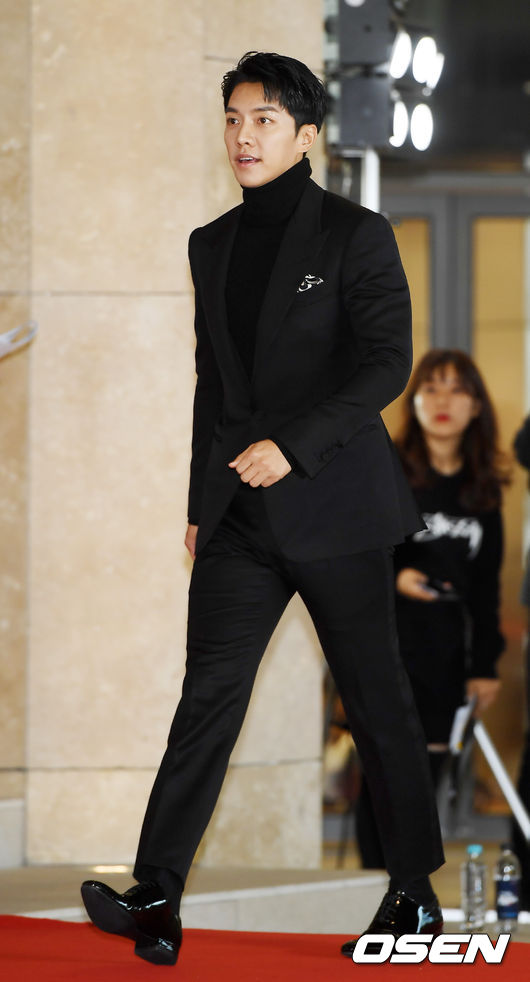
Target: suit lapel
[298, 251]
[299, 248]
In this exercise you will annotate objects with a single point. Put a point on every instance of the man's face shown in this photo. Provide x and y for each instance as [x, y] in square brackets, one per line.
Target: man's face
[260, 136]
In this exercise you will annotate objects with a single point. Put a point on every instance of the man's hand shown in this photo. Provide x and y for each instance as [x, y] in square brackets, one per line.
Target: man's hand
[485, 690]
[261, 464]
[190, 539]
[412, 583]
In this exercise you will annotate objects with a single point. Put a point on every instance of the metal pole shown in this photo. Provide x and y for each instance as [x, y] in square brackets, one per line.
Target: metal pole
[507, 788]
[370, 180]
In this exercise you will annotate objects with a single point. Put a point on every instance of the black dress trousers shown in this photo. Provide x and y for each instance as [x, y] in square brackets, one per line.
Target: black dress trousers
[239, 588]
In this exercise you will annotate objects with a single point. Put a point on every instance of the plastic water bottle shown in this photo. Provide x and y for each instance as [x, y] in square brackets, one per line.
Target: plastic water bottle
[507, 878]
[473, 889]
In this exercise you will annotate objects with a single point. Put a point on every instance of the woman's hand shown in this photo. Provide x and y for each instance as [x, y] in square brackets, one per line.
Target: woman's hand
[412, 583]
[190, 539]
[485, 692]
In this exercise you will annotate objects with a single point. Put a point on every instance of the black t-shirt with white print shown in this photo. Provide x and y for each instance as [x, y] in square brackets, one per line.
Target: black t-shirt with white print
[445, 641]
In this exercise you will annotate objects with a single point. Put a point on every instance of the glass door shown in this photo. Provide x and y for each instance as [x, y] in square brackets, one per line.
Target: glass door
[500, 342]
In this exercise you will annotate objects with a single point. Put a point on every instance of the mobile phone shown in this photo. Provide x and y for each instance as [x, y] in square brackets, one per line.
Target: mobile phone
[445, 592]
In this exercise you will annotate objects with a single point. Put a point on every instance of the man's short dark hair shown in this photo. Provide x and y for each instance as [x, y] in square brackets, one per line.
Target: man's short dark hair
[288, 81]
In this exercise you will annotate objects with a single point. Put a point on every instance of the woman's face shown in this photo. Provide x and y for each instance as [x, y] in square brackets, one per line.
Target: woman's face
[443, 407]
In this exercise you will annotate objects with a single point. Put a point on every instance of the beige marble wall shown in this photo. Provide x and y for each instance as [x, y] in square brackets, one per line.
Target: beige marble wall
[14, 309]
[110, 420]
[14, 145]
[127, 158]
[117, 143]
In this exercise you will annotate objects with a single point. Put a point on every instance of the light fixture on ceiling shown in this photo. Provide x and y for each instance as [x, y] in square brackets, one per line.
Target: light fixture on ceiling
[421, 126]
[400, 124]
[416, 66]
[401, 54]
[427, 62]
[435, 71]
[380, 70]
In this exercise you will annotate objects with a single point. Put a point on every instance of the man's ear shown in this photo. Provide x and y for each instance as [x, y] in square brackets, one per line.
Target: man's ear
[306, 136]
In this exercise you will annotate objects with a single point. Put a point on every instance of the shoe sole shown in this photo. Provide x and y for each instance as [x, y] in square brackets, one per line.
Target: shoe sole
[106, 914]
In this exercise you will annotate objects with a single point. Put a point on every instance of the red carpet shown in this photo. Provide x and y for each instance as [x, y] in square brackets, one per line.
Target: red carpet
[35, 950]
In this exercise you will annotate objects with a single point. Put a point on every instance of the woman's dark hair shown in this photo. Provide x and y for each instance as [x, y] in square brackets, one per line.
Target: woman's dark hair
[485, 466]
[285, 79]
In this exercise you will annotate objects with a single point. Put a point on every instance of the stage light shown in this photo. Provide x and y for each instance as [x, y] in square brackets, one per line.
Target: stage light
[421, 126]
[378, 68]
[424, 58]
[401, 54]
[401, 124]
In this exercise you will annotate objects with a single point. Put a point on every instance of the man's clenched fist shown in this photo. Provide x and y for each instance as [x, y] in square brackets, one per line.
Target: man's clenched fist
[261, 464]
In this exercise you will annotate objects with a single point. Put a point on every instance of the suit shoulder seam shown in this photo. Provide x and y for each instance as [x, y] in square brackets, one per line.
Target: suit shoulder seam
[204, 230]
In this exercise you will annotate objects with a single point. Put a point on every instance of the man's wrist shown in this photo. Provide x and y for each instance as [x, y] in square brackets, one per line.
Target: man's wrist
[296, 467]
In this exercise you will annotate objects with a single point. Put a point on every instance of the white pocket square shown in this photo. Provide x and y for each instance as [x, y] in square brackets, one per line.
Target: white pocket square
[308, 281]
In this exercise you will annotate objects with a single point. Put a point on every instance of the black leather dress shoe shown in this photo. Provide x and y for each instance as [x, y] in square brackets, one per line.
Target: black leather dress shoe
[141, 913]
[399, 914]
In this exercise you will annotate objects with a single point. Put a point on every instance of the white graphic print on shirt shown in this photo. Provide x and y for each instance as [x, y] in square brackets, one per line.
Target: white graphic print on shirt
[440, 524]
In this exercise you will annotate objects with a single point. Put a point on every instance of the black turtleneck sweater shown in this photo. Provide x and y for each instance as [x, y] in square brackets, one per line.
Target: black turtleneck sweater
[266, 212]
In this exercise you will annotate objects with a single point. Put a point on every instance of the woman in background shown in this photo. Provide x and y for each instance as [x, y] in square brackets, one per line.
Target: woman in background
[447, 576]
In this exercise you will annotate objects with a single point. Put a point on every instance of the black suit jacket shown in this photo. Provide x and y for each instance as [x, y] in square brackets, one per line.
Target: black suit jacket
[328, 359]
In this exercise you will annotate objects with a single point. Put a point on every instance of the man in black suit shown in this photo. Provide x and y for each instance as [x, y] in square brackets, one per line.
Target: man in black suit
[303, 337]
